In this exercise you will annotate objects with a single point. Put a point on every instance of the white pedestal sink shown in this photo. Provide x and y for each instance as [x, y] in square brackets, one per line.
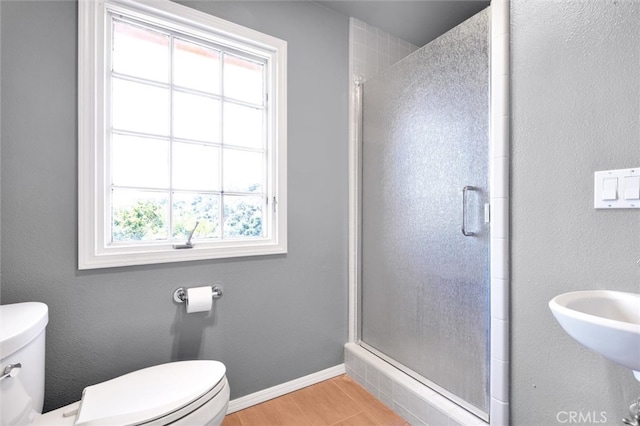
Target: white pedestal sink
[607, 322]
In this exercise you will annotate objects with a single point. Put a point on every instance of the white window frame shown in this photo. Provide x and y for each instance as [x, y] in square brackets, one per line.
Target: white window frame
[94, 250]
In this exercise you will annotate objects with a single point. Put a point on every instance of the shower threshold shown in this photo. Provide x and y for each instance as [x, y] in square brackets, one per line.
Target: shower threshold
[400, 390]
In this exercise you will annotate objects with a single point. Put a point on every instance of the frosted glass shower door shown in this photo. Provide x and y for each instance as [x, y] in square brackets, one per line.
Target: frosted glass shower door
[424, 282]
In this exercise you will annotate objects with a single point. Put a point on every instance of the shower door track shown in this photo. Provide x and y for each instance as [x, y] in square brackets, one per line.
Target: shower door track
[431, 385]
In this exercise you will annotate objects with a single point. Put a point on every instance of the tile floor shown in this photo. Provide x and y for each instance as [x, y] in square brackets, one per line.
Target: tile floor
[336, 402]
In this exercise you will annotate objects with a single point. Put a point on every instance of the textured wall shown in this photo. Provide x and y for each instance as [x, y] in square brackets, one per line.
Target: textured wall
[576, 109]
[281, 317]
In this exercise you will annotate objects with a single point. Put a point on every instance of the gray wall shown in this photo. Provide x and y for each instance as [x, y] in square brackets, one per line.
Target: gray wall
[575, 108]
[282, 317]
[0, 157]
[575, 100]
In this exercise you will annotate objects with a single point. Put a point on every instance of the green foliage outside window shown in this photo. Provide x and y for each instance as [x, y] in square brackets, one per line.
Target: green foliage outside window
[244, 221]
[144, 221]
[147, 221]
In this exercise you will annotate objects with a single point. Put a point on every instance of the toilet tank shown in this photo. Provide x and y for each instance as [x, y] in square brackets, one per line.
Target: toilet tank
[22, 340]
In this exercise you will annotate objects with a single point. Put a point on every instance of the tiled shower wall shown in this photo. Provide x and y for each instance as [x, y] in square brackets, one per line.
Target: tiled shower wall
[373, 50]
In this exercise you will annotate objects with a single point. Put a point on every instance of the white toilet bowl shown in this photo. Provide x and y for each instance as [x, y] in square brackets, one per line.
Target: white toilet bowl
[178, 393]
[187, 393]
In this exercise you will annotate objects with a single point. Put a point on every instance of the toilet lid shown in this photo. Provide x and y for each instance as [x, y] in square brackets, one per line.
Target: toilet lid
[148, 394]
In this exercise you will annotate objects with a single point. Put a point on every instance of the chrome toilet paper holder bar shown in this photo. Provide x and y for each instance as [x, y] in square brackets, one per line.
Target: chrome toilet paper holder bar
[180, 295]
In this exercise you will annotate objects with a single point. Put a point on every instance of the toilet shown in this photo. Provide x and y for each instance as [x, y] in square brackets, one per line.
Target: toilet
[186, 393]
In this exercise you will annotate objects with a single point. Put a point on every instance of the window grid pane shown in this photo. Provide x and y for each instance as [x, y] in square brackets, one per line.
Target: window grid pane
[139, 215]
[242, 216]
[196, 167]
[139, 161]
[129, 40]
[195, 114]
[196, 66]
[191, 208]
[195, 117]
[243, 79]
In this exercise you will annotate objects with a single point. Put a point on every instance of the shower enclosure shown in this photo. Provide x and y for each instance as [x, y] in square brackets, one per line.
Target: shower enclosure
[424, 240]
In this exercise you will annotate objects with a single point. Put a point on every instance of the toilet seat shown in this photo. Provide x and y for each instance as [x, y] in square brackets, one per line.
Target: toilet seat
[152, 396]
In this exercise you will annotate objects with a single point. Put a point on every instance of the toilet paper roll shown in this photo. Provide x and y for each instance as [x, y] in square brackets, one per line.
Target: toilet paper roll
[199, 299]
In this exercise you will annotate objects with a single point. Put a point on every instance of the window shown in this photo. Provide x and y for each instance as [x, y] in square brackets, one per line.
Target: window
[182, 136]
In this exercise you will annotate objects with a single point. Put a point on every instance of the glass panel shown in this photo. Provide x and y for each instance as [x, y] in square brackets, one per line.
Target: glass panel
[189, 208]
[139, 161]
[243, 126]
[243, 80]
[140, 52]
[196, 67]
[139, 215]
[425, 137]
[196, 167]
[242, 170]
[242, 216]
[196, 117]
[140, 107]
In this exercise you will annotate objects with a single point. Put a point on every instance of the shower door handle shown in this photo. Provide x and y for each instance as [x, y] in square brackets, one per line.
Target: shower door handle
[464, 210]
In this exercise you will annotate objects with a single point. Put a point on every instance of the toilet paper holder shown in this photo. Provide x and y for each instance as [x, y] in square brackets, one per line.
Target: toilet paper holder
[180, 295]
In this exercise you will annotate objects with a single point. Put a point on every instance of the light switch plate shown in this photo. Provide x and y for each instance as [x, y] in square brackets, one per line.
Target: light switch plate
[602, 191]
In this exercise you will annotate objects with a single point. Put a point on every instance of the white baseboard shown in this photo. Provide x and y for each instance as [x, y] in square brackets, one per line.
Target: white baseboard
[285, 388]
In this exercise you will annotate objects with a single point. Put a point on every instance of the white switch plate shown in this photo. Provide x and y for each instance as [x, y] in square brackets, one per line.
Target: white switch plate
[619, 202]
